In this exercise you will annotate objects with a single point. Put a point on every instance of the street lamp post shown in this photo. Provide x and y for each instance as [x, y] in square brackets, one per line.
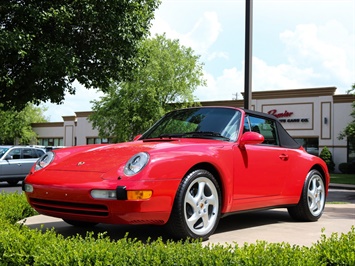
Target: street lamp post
[248, 53]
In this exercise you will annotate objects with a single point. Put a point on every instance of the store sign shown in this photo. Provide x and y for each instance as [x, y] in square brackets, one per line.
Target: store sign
[285, 117]
[292, 116]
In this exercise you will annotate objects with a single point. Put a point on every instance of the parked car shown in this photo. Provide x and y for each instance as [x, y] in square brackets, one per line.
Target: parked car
[16, 162]
[193, 167]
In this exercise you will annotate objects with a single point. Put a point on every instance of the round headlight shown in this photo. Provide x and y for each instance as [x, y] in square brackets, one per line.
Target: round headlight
[136, 163]
[44, 160]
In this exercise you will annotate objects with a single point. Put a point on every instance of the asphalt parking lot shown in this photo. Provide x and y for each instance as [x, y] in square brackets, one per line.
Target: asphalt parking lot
[273, 226]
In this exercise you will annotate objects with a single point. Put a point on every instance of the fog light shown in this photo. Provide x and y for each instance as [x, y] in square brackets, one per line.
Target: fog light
[139, 194]
[103, 194]
[28, 188]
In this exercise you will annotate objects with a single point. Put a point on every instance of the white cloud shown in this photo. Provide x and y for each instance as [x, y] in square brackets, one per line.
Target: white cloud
[203, 34]
[328, 48]
[223, 87]
[283, 76]
[161, 26]
[215, 55]
[73, 103]
[316, 55]
[264, 77]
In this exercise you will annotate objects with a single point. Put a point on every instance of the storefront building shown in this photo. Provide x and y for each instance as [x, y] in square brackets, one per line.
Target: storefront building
[314, 117]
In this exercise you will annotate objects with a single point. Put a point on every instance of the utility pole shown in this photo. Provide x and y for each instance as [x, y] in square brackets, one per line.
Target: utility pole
[248, 53]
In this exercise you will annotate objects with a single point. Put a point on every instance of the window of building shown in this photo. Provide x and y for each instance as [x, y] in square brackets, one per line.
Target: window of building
[98, 140]
[351, 149]
[310, 144]
[50, 141]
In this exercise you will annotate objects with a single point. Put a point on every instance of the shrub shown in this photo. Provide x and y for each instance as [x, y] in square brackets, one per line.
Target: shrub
[343, 168]
[335, 250]
[20, 245]
[326, 155]
[347, 168]
[351, 169]
[14, 207]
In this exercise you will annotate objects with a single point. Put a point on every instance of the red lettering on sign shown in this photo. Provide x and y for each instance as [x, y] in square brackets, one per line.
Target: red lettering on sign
[279, 115]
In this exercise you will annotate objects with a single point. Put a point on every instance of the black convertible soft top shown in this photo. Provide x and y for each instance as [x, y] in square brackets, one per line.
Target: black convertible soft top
[285, 139]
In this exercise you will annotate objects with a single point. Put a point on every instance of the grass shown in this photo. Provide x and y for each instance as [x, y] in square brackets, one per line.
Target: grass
[348, 179]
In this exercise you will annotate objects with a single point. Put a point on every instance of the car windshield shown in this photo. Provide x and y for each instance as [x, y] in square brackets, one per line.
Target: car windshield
[211, 122]
[3, 151]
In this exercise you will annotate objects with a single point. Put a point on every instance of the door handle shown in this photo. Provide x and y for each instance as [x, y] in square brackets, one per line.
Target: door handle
[283, 157]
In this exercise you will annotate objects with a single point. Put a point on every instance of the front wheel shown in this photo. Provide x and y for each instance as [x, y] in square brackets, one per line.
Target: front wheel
[312, 201]
[197, 206]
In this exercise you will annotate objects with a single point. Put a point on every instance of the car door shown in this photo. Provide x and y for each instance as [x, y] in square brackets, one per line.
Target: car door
[11, 164]
[261, 170]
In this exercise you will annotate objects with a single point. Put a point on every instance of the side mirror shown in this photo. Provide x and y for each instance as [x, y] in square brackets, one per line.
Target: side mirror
[137, 137]
[250, 138]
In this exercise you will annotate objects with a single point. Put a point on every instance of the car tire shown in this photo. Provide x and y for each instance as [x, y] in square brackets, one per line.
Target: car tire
[79, 223]
[197, 207]
[312, 201]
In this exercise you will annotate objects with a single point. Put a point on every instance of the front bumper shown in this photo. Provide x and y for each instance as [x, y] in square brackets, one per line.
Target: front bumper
[74, 201]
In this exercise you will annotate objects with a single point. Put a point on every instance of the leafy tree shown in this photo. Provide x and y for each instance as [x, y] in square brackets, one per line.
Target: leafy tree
[349, 130]
[46, 45]
[165, 81]
[17, 125]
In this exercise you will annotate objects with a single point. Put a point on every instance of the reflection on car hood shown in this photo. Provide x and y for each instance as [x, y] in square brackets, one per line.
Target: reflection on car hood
[103, 158]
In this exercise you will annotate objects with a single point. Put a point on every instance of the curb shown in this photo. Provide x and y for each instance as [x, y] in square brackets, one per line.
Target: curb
[342, 186]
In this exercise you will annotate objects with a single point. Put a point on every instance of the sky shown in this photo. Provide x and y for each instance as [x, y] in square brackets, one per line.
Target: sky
[295, 44]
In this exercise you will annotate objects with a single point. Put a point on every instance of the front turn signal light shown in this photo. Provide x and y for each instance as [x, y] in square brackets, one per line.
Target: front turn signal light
[139, 194]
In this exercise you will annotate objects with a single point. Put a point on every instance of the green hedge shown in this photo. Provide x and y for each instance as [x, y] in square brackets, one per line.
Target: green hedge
[20, 245]
[14, 207]
[347, 168]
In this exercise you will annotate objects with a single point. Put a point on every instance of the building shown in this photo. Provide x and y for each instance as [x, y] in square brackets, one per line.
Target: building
[314, 117]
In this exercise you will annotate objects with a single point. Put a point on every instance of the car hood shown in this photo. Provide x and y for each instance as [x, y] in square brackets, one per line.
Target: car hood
[103, 158]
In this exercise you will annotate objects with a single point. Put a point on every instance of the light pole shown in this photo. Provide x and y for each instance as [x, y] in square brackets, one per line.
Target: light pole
[248, 53]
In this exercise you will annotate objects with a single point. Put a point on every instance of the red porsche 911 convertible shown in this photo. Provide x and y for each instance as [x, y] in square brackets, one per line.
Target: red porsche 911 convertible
[188, 170]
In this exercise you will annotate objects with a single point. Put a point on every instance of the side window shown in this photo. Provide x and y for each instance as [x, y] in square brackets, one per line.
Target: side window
[246, 126]
[265, 127]
[39, 153]
[15, 154]
[28, 154]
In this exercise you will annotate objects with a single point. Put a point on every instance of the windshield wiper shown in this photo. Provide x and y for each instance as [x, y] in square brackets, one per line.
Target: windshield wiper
[207, 134]
[194, 134]
[170, 136]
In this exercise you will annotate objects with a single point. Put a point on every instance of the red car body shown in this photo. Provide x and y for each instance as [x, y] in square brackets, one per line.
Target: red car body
[247, 175]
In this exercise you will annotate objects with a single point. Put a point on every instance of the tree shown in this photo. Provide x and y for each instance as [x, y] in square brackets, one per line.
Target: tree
[46, 45]
[17, 125]
[349, 130]
[166, 80]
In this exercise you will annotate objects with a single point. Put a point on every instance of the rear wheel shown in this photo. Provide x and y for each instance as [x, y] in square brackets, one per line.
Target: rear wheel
[79, 223]
[312, 201]
[197, 206]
